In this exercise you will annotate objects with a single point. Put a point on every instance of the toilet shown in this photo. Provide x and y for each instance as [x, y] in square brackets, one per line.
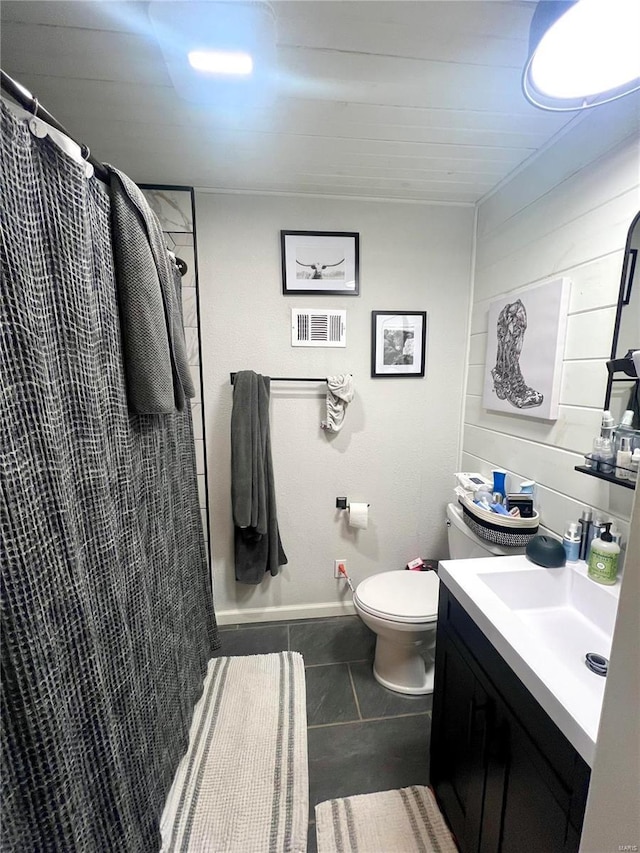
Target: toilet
[401, 608]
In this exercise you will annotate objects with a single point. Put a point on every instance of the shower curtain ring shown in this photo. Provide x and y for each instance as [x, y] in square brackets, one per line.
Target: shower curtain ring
[35, 106]
[85, 151]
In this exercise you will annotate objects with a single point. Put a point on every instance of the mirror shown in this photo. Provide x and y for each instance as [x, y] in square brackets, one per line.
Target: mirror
[622, 390]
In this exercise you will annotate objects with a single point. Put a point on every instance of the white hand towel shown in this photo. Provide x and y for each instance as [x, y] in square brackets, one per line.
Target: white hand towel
[339, 394]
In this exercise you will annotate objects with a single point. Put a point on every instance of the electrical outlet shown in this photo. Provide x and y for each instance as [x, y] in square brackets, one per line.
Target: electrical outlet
[336, 571]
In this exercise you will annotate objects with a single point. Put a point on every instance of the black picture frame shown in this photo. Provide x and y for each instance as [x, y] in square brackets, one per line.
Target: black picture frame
[311, 263]
[398, 344]
[630, 271]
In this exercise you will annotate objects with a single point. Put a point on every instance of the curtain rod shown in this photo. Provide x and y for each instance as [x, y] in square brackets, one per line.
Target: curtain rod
[232, 377]
[30, 103]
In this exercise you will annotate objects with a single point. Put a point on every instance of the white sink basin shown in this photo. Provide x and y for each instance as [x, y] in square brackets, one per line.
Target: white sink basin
[569, 613]
[544, 622]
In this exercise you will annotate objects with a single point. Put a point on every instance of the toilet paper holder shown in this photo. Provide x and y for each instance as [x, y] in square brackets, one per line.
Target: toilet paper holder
[343, 503]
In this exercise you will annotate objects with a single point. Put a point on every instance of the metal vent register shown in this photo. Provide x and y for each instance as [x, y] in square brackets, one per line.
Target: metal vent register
[318, 328]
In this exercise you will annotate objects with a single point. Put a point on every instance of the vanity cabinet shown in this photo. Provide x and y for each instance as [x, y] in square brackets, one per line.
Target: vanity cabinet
[504, 775]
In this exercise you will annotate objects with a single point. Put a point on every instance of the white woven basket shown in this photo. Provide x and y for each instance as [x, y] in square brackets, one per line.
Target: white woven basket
[498, 529]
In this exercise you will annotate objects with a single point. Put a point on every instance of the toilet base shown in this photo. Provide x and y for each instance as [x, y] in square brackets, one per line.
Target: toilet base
[401, 688]
[402, 667]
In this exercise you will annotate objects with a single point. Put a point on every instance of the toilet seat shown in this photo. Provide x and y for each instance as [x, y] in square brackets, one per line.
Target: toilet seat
[400, 596]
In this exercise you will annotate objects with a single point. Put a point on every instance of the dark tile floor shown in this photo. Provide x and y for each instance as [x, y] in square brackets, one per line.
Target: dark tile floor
[361, 736]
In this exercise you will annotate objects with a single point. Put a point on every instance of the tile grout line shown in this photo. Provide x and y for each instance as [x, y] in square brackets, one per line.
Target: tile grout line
[353, 688]
[335, 663]
[368, 720]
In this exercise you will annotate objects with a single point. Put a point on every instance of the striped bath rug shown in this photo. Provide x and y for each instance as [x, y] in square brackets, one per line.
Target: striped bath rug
[243, 785]
[403, 821]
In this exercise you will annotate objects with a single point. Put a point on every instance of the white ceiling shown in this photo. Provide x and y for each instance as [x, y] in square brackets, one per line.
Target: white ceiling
[412, 100]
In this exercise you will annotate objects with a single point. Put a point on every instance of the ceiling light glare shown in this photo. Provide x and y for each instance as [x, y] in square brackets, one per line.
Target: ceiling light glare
[221, 62]
[588, 56]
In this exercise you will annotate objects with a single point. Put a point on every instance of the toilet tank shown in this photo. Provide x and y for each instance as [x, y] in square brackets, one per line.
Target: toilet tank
[463, 542]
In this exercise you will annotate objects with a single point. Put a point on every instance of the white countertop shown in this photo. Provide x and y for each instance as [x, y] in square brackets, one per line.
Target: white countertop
[543, 622]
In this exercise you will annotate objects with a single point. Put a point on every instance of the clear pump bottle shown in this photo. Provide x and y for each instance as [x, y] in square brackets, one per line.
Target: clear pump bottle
[607, 425]
[607, 462]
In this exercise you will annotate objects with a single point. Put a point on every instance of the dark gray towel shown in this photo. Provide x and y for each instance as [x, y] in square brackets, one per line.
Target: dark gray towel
[155, 353]
[258, 548]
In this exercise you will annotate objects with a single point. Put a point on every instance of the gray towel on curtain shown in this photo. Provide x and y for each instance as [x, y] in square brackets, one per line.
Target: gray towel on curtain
[107, 610]
[155, 353]
[258, 548]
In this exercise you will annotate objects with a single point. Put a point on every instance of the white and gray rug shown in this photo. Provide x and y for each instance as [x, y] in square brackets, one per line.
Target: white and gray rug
[243, 786]
[403, 821]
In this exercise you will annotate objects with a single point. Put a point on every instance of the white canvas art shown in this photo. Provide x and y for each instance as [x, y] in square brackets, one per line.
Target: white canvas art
[525, 346]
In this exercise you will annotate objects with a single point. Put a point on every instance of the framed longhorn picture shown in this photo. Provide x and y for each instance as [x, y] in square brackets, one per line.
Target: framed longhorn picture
[320, 263]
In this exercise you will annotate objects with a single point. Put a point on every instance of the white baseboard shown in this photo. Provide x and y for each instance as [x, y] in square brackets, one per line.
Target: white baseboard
[285, 613]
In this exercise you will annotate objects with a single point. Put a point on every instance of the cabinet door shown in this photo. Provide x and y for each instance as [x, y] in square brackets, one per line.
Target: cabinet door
[506, 778]
[458, 738]
[525, 807]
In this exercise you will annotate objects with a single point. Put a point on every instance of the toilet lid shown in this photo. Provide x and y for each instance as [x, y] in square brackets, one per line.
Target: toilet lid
[403, 595]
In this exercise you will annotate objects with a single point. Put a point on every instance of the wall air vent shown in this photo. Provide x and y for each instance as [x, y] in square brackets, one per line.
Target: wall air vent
[318, 328]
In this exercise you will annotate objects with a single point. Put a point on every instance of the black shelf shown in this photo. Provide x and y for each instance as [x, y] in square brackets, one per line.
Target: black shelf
[610, 478]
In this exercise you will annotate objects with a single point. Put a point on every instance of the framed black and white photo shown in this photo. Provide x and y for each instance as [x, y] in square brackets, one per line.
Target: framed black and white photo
[525, 348]
[320, 263]
[398, 343]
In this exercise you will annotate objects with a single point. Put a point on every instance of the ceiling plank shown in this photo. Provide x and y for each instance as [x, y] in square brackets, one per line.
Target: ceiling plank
[89, 54]
[414, 100]
[426, 31]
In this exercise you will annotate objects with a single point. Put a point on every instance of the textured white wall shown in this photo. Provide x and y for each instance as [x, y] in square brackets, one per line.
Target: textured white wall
[567, 214]
[399, 445]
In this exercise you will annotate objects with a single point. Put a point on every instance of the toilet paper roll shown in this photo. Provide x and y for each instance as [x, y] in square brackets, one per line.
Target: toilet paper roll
[359, 516]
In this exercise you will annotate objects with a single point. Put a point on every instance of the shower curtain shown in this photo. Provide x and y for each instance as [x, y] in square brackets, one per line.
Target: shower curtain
[107, 612]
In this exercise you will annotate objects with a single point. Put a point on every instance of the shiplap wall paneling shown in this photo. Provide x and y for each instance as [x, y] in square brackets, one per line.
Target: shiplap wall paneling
[566, 213]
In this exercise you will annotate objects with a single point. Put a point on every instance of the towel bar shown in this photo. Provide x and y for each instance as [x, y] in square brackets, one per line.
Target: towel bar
[232, 377]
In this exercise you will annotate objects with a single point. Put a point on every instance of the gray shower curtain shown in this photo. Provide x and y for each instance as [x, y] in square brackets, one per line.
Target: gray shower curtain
[107, 613]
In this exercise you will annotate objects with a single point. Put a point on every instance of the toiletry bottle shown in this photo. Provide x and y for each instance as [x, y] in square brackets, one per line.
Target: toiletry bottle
[571, 542]
[616, 536]
[603, 560]
[634, 467]
[483, 496]
[585, 531]
[596, 453]
[623, 458]
[607, 462]
[607, 425]
[624, 427]
[499, 484]
[625, 431]
[594, 532]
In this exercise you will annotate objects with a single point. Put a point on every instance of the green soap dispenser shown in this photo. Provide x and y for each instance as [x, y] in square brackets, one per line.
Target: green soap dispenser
[603, 559]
